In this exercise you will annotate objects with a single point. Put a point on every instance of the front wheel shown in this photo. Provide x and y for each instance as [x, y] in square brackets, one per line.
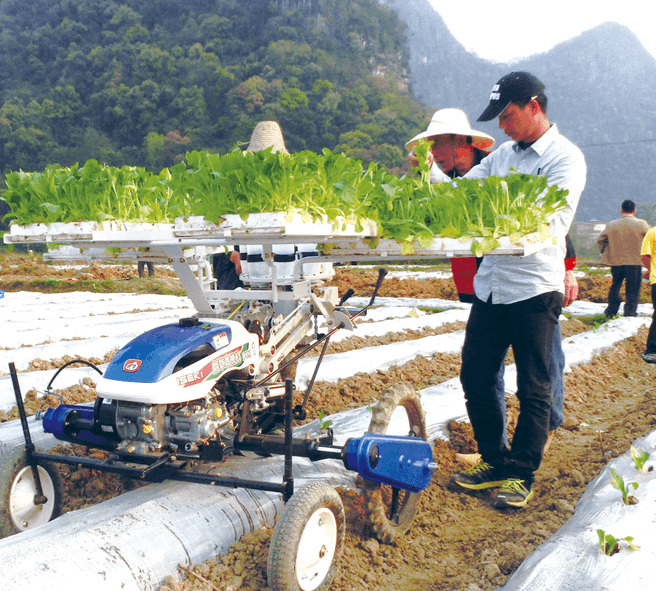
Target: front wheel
[388, 510]
[307, 540]
[19, 511]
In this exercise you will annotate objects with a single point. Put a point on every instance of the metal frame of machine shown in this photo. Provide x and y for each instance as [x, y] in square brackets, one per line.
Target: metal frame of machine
[255, 335]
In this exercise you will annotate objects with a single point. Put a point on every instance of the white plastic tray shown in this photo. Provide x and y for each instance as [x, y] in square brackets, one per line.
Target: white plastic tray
[110, 231]
[443, 247]
[263, 228]
[280, 223]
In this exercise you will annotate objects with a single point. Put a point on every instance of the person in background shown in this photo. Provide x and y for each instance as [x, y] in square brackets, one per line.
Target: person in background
[227, 266]
[141, 265]
[648, 254]
[146, 264]
[619, 245]
[456, 148]
[518, 300]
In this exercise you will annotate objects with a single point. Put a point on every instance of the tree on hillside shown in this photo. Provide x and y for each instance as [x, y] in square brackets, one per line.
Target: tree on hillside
[113, 80]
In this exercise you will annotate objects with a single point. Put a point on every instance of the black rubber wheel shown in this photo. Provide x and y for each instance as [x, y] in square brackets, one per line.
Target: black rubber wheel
[307, 540]
[390, 511]
[18, 512]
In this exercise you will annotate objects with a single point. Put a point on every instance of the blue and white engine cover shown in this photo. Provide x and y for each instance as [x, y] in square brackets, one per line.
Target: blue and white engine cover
[178, 362]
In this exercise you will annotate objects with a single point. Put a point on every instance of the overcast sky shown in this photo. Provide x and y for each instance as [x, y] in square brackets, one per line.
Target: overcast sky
[502, 30]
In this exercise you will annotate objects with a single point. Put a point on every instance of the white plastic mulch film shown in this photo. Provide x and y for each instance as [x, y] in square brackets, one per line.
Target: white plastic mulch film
[133, 541]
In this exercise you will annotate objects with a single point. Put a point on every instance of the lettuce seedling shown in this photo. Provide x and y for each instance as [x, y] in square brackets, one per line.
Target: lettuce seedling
[324, 423]
[639, 458]
[618, 482]
[611, 545]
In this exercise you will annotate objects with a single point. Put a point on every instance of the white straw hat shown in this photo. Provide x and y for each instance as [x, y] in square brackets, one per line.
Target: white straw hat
[452, 121]
[267, 134]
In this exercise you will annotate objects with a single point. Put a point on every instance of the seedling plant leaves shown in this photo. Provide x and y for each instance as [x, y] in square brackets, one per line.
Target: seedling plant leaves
[610, 545]
[618, 482]
[323, 422]
[640, 458]
[328, 187]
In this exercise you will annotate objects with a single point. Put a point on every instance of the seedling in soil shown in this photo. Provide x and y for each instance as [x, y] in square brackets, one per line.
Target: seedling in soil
[618, 482]
[323, 422]
[611, 545]
[639, 458]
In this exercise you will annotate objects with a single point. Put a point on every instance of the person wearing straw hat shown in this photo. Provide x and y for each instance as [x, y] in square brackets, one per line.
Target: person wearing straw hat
[456, 148]
[227, 266]
[517, 300]
[267, 134]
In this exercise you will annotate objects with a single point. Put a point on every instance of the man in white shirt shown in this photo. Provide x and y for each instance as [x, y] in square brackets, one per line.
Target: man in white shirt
[518, 299]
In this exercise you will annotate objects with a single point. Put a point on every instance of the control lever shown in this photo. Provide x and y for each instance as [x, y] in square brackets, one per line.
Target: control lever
[381, 275]
[346, 296]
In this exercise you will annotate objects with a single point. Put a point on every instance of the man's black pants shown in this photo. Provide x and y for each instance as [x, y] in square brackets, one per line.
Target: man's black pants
[651, 336]
[632, 274]
[528, 326]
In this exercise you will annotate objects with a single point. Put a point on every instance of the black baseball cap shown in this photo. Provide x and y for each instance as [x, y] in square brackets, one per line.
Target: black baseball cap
[513, 87]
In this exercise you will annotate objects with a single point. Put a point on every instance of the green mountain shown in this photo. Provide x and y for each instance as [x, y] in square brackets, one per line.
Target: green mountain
[142, 82]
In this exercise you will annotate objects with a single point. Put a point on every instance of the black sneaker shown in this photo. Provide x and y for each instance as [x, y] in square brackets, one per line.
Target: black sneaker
[513, 493]
[649, 357]
[479, 476]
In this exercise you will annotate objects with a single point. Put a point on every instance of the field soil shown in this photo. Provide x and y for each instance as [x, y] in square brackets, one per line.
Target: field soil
[458, 541]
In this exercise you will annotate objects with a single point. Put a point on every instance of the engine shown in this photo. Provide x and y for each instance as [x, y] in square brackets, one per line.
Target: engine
[199, 428]
[191, 388]
[145, 428]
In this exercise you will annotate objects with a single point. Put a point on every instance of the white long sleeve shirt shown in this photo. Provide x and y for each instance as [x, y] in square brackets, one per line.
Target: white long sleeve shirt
[510, 279]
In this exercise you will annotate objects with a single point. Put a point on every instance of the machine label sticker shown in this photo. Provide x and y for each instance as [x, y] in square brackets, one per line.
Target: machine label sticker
[220, 340]
[132, 365]
[233, 358]
[191, 378]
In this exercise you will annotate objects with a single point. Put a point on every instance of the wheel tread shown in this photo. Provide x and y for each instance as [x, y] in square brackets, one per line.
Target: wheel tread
[381, 527]
[288, 531]
[10, 465]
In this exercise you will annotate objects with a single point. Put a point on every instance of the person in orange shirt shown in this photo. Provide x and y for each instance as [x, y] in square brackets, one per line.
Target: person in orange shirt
[455, 149]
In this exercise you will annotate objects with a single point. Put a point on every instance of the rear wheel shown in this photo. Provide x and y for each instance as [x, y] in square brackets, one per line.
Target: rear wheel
[18, 492]
[388, 510]
[307, 540]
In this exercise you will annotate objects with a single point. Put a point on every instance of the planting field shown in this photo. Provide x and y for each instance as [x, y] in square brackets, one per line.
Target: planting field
[458, 541]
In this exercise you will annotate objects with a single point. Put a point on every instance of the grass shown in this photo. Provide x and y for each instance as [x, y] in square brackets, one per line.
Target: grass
[596, 320]
[592, 268]
[61, 286]
[427, 266]
[594, 271]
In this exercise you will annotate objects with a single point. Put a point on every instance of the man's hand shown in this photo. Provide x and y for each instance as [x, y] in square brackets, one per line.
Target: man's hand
[235, 258]
[571, 289]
